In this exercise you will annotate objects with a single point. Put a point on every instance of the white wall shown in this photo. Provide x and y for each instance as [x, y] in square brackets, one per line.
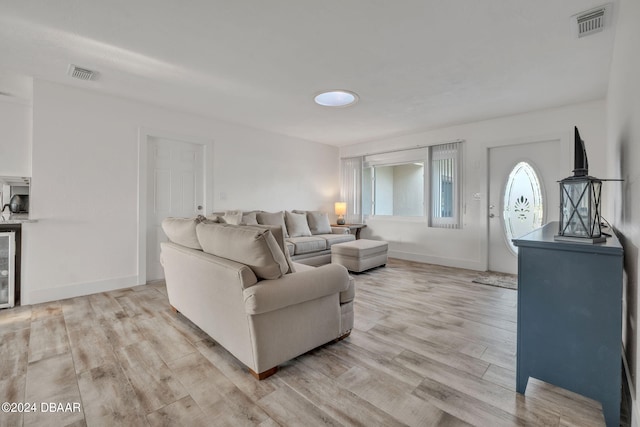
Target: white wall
[623, 137]
[85, 195]
[15, 139]
[467, 247]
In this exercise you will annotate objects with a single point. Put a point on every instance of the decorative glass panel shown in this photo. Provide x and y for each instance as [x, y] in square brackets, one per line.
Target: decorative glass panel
[523, 205]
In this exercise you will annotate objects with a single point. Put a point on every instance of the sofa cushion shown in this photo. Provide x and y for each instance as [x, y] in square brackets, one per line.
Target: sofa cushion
[182, 231]
[332, 239]
[297, 224]
[304, 245]
[319, 222]
[252, 246]
[275, 218]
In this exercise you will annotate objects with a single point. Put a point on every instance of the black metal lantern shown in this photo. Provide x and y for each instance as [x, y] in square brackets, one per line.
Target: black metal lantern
[580, 207]
[580, 201]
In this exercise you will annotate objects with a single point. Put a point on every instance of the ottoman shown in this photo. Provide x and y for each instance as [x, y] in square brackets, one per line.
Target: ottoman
[360, 255]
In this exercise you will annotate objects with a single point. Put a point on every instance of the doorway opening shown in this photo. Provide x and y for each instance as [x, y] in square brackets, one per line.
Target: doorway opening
[175, 178]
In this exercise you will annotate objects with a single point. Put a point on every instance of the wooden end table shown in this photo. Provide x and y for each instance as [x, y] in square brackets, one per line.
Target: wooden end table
[353, 228]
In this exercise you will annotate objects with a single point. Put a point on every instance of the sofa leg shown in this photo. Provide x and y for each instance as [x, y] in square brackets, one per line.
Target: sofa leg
[262, 375]
[343, 336]
[175, 310]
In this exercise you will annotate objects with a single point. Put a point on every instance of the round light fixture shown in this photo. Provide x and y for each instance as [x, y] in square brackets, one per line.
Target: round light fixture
[336, 98]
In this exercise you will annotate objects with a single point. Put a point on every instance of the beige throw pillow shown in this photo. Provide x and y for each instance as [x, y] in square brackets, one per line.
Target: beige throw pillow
[275, 218]
[297, 224]
[252, 246]
[182, 231]
[319, 222]
[276, 230]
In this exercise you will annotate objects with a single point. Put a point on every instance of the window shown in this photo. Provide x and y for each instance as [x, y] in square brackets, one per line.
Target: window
[414, 183]
[445, 185]
[393, 184]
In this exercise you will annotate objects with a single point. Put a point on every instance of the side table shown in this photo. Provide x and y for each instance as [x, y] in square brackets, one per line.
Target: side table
[353, 228]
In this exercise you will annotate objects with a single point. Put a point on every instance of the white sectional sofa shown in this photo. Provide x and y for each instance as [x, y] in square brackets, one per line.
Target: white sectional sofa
[239, 285]
[308, 234]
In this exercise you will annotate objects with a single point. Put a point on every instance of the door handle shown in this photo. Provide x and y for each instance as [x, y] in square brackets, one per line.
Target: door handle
[199, 207]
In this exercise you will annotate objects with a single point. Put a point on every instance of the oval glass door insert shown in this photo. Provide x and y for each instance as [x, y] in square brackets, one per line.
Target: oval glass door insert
[523, 205]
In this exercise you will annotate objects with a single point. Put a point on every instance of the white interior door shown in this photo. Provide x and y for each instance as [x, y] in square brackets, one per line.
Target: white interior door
[175, 188]
[523, 195]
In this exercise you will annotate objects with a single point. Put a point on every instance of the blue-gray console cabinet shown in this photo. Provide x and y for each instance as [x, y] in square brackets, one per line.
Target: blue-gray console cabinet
[570, 316]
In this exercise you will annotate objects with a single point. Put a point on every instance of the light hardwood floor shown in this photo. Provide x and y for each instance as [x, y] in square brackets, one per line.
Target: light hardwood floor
[429, 348]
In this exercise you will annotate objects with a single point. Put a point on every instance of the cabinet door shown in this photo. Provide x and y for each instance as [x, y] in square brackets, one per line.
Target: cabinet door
[7, 268]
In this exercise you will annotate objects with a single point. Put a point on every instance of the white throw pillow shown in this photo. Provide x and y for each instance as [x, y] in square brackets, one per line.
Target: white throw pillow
[319, 222]
[249, 219]
[232, 217]
[297, 224]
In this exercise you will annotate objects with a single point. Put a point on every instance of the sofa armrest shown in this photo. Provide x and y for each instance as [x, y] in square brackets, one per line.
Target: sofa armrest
[340, 230]
[295, 288]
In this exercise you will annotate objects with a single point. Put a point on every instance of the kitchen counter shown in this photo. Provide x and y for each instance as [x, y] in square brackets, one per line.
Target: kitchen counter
[7, 218]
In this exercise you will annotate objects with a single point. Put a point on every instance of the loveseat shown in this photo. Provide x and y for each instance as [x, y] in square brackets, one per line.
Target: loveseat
[240, 286]
[308, 234]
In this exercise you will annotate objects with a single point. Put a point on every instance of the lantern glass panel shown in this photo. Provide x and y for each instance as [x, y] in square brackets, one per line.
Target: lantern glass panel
[580, 216]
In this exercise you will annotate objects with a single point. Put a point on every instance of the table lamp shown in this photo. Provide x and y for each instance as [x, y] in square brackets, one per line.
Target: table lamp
[341, 210]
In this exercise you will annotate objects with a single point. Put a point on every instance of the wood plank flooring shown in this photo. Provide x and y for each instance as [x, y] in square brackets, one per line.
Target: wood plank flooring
[429, 348]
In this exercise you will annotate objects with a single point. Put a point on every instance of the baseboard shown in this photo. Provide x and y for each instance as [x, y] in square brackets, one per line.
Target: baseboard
[448, 262]
[77, 290]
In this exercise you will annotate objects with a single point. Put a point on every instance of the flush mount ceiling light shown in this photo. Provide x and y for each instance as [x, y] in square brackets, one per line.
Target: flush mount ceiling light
[336, 98]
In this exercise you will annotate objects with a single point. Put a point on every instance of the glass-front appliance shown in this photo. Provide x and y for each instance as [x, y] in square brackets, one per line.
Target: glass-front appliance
[7, 268]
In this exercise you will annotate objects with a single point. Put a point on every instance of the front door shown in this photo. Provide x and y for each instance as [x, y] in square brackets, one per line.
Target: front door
[523, 195]
[175, 188]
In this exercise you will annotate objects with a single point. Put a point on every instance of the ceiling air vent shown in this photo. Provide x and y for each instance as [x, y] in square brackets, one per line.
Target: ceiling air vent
[80, 73]
[591, 21]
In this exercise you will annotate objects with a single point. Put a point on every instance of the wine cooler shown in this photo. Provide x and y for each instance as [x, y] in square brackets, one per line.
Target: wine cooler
[7, 268]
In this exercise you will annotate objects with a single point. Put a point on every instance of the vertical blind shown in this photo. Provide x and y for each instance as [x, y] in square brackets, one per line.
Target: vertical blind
[351, 188]
[445, 185]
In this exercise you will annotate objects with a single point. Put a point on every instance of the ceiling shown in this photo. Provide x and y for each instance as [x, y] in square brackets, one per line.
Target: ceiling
[415, 64]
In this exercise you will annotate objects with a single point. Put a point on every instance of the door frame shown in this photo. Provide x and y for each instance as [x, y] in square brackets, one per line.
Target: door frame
[566, 159]
[144, 135]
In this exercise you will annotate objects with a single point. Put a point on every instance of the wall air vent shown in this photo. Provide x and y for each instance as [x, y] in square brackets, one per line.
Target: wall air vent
[591, 21]
[81, 73]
